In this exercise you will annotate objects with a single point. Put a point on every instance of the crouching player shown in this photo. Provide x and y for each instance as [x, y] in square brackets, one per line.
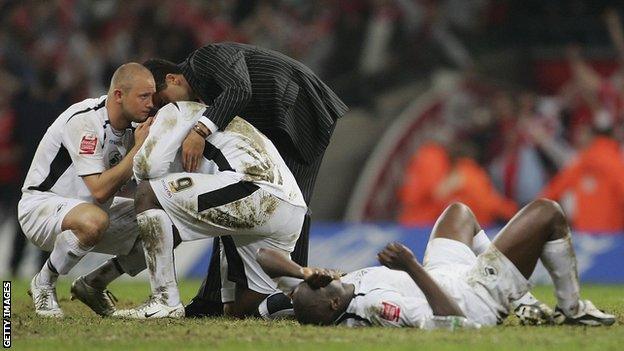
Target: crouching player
[452, 279]
[244, 193]
[70, 204]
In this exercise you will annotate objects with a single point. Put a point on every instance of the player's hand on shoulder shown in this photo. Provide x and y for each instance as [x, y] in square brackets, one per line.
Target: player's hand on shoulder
[396, 256]
[192, 151]
[319, 277]
[141, 131]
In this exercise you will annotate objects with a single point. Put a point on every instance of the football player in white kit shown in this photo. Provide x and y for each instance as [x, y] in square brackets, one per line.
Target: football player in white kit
[452, 281]
[244, 193]
[68, 205]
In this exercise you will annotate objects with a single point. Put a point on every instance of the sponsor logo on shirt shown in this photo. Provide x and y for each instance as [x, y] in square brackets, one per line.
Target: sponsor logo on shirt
[88, 143]
[390, 311]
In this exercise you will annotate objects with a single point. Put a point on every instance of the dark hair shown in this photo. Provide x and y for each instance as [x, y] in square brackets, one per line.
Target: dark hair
[160, 68]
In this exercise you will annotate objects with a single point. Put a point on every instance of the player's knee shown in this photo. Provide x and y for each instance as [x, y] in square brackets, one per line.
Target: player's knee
[144, 198]
[549, 210]
[458, 207]
[92, 227]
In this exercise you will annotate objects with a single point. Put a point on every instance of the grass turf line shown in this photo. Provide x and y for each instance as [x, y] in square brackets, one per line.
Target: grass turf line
[81, 329]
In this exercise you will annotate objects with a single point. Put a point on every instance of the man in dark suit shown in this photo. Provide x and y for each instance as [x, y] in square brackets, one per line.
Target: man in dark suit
[278, 95]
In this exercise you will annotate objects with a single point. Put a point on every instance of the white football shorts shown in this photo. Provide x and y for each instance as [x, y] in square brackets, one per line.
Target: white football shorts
[246, 217]
[41, 216]
[483, 286]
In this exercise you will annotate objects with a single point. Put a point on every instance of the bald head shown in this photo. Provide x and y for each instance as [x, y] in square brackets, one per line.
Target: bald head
[130, 95]
[127, 74]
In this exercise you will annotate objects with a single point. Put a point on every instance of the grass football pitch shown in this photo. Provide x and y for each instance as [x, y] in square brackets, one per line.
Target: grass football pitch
[83, 330]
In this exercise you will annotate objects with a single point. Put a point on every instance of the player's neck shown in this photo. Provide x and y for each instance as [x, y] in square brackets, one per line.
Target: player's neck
[115, 116]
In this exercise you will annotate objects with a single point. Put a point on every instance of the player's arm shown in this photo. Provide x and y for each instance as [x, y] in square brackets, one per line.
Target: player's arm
[154, 158]
[276, 264]
[104, 185]
[399, 257]
[229, 71]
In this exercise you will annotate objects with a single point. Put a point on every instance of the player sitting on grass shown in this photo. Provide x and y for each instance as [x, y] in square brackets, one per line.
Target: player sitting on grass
[452, 280]
[244, 194]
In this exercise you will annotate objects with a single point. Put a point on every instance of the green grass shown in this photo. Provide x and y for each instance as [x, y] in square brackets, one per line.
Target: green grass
[83, 330]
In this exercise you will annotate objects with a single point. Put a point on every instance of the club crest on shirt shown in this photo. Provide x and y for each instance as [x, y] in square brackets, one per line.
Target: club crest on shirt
[390, 311]
[114, 158]
[88, 143]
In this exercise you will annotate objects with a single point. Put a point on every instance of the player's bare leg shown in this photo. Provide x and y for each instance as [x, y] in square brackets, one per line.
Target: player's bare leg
[245, 304]
[457, 222]
[82, 228]
[157, 234]
[540, 230]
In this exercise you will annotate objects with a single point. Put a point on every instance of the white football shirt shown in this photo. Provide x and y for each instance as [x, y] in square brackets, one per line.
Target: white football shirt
[240, 149]
[384, 297]
[80, 142]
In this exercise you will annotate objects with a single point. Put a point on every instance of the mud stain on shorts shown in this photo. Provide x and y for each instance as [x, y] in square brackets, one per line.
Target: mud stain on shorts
[247, 213]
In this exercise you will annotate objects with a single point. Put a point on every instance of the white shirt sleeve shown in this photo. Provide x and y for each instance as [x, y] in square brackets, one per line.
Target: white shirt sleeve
[391, 309]
[208, 123]
[83, 139]
[154, 158]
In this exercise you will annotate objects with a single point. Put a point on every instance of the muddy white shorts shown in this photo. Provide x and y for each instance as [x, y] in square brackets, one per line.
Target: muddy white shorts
[246, 216]
[483, 286]
[41, 216]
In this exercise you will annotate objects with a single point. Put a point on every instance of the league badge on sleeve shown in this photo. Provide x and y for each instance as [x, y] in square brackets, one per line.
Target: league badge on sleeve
[88, 143]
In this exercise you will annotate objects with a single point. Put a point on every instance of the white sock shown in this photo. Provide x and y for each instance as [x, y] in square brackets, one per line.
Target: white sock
[156, 232]
[559, 259]
[103, 275]
[480, 243]
[66, 254]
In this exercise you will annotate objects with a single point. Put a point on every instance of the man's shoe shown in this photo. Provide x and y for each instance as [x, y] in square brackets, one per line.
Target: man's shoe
[200, 308]
[44, 299]
[587, 314]
[152, 309]
[537, 313]
[101, 302]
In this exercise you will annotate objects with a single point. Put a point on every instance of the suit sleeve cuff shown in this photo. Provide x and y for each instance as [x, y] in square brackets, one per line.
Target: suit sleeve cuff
[208, 123]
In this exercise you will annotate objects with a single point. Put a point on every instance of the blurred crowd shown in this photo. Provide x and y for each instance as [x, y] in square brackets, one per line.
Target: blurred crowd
[497, 148]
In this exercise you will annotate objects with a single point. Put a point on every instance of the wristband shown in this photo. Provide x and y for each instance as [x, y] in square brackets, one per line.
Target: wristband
[200, 131]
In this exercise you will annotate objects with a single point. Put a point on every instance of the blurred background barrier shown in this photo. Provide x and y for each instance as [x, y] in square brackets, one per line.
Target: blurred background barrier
[352, 246]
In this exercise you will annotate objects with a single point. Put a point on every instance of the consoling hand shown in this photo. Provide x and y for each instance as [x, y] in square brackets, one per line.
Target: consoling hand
[142, 131]
[396, 256]
[319, 277]
[192, 151]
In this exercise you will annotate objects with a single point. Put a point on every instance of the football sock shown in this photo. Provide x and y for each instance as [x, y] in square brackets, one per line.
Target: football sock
[480, 243]
[133, 262]
[103, 275]
[559, 259]
[66, 254]
[156, 232]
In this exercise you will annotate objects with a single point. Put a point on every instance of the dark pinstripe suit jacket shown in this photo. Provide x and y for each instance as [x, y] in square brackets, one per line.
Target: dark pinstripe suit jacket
[278, 95]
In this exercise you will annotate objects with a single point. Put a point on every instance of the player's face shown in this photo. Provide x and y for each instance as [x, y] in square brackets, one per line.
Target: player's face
[137, 103]
[322, 299]
[173, 93]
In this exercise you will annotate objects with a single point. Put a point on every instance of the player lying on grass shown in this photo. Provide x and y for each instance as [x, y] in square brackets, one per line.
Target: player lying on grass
[243, 193]
[452, 279]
